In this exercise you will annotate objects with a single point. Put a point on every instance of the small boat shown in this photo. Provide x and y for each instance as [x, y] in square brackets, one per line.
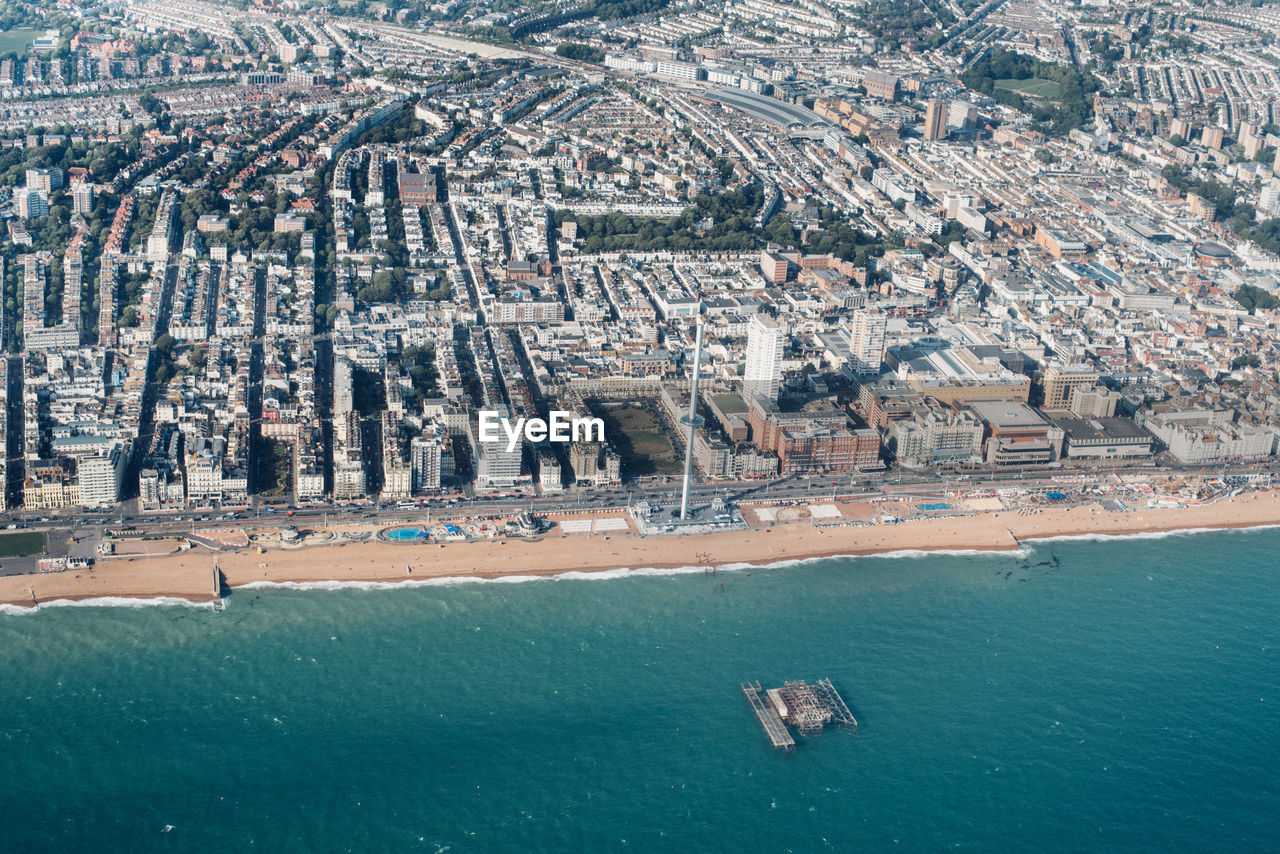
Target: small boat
[218, 606]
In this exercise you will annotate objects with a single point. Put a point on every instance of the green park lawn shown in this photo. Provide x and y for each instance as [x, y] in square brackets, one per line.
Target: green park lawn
[24, 543]
[639, 438]
[1032, 87]
[17, 40]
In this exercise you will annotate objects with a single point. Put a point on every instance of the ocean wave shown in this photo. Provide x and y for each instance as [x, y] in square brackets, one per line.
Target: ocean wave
[107, 602]
[381, 585]
[912, 553]
[448, 581]
[620, 572]
[567, 575]
[1145, 535]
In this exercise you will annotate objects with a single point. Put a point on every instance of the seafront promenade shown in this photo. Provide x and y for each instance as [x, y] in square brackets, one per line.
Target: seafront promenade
[864, 528]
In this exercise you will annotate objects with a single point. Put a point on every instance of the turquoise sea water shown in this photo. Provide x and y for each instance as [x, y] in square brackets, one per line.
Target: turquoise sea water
[1092, 696]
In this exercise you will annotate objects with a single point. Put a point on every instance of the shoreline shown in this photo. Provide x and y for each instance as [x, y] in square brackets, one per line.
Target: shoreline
[186, 576]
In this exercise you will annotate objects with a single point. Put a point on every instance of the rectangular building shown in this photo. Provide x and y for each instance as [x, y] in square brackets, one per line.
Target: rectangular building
[1016, 434]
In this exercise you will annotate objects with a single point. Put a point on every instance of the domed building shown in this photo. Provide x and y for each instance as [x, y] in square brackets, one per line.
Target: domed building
[1211, 252]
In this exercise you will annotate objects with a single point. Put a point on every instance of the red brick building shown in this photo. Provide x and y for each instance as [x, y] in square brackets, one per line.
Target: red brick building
[774, 266]
[816, 441]
[418, 188]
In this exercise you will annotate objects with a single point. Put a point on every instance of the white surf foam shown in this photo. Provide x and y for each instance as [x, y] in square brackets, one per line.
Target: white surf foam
[1144, 535]
[620, 572]
[107, 602]
[901, 553]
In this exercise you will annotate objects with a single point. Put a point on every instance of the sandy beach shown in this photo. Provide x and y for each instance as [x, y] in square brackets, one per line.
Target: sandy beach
[189, 575]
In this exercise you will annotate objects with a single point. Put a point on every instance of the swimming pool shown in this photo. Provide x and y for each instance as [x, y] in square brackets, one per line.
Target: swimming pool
[405, 534]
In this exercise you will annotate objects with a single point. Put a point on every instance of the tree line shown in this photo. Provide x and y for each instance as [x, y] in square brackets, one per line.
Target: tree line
[725, 222]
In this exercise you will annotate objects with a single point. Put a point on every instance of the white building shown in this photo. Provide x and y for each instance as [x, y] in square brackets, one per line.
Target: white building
[425, 454]
[721, 77]
[1269, 199]
[937, 436]
[866, 341]
[1198, 437]
[550, 475]
[348, 480]
[680, 70]
[31, 204]
[763, 370]
[163, 230]
[204, 472]
[100, 476]
[629, 63]
[896, 188]
[497, 464]
[82, 199]
[44, 180]
[927, 222]
[962, 115]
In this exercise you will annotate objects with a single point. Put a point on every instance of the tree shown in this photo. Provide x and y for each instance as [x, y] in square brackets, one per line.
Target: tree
[151, 104]
[381, 288]
[420, 364]
[1253, 298]
[580, 52]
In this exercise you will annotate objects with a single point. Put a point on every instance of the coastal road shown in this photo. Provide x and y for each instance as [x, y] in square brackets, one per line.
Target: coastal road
[795, 490]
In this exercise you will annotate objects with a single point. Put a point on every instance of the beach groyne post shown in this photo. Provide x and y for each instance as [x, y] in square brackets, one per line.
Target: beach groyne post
[219, 580]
